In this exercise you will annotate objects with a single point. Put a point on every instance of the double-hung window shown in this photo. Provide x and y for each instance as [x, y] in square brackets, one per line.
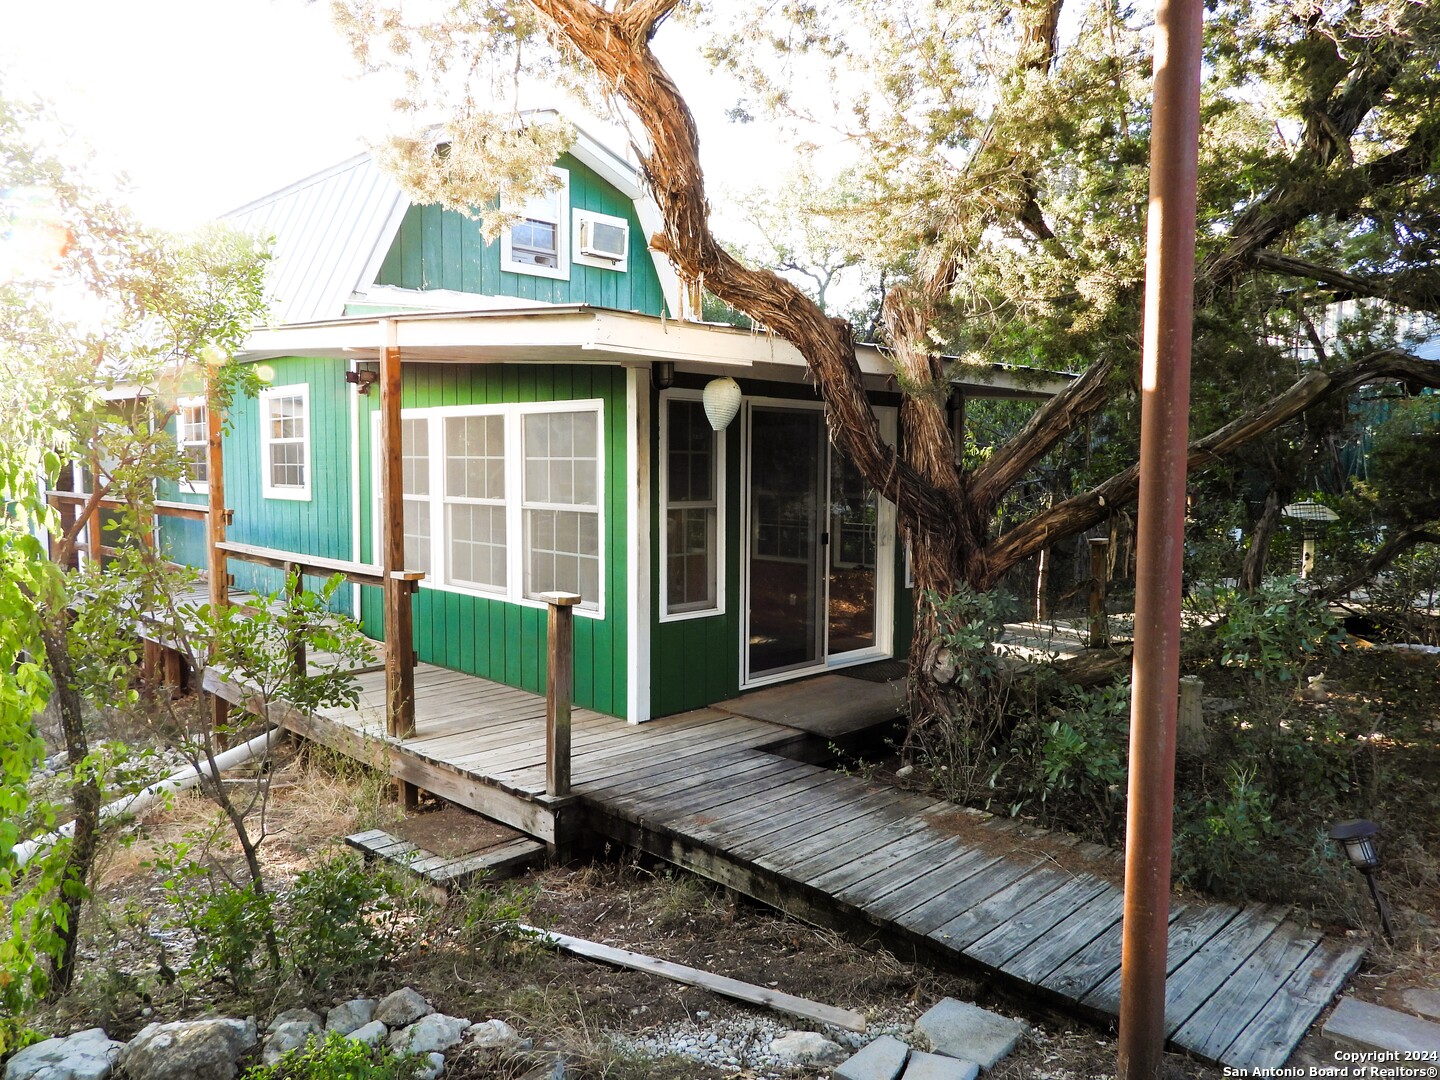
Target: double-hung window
[193, 435]
[285, 442]
[561, 502]
[539, 242]
[504, 501]
[690, 487]
[475, 512]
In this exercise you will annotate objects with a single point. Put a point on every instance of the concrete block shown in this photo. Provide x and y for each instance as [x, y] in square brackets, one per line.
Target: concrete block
[960, 1030]
[1374, 1027]
[882, 1059]
[1424, 1002]
[938, 1067]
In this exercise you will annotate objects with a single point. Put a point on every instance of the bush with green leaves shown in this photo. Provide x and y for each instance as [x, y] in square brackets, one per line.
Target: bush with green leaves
[1218, 844]
[337, 1057]
[1072, 760]
[1276, 630]
[342, 920]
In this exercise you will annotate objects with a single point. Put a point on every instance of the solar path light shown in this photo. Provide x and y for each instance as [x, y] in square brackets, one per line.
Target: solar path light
[1358, 839]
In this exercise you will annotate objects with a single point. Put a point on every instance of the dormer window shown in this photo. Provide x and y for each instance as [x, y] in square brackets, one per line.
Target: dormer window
[539, 243]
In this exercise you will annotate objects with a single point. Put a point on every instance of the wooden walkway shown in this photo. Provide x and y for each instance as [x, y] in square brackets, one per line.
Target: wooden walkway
[708, 791]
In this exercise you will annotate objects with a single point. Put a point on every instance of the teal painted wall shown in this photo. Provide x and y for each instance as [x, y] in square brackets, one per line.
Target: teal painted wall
[318, 526]
[443, 249]
[695, 662]
[493, 638]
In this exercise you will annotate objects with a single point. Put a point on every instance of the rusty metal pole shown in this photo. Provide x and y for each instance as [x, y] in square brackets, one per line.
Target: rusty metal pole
[1164, 415]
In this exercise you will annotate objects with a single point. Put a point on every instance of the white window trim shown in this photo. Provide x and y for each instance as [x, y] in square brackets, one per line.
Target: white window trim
[598, 261]
[561, 271]
[298, 493]
[514, 413]
[663, 480]
[191, 487]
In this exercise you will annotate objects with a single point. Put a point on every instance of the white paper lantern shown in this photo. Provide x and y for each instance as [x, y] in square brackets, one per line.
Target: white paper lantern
[722, 401]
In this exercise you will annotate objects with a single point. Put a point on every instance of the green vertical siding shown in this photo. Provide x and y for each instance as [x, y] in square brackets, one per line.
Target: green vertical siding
[494, 638]
[443, 249]
[318, 526]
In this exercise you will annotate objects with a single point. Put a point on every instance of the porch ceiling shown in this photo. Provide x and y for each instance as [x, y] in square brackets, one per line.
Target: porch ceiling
[583, 334]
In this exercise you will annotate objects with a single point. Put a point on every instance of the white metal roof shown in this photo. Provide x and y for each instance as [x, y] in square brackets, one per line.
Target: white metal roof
[332, 231]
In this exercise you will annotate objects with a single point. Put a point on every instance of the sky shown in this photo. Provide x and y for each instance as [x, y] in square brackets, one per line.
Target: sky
[206, 105]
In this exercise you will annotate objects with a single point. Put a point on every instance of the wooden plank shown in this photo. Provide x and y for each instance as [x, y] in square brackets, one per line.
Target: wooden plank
[1067, 937]
[962, 930]
[891, 841]
[1188, 932]
[882, 825]
[1032, 922]
[946, 855]
[718, 984]
[1268, 1040]
[916, 846]
[1201, 976]
[519, 813]
[1244, 995]
[925, 887]
[496, 862]
[976, 889]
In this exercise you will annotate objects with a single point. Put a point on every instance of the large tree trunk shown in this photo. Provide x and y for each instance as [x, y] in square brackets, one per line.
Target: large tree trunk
[1252, 571]
[85, 794]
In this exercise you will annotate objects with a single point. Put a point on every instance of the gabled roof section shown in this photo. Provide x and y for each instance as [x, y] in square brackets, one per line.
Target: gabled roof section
[330, 230]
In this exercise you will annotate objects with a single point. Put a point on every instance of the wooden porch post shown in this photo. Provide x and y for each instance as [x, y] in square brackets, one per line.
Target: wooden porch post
[559, 689]
[1099, 571]
[399, 628]
[216, 562]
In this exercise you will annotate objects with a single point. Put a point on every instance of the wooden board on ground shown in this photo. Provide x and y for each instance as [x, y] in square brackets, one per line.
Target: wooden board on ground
[502, 857]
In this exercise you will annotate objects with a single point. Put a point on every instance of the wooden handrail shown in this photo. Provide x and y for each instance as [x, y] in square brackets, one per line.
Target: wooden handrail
[317, 565]
[163, 507]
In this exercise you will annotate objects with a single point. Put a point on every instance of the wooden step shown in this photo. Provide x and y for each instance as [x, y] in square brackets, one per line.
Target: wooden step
[496, 862]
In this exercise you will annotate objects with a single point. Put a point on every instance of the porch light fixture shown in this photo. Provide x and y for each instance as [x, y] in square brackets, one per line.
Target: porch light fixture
[662, 374]
[722, 401]
[363, 379]
[1358, 839]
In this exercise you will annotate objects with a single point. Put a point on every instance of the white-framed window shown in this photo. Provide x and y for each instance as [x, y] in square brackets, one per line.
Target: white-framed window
[539, 243]
[691, 503]
[415, 486]
[504, 501]
[192, 433]
[285, 442]
[474, 496]
[601, 240]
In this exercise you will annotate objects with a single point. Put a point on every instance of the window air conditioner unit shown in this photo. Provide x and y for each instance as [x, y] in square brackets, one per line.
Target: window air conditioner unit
[601, 240]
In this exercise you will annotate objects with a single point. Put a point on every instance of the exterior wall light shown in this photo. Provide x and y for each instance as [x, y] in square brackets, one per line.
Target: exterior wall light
[363, 379]
[1358, 839]
[662, 374]
[722, 401]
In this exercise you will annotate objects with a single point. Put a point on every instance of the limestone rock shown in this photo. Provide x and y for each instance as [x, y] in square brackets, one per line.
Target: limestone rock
[434, 1065]
[291, 1016]
[805, 1048]
[371, 1034]
[430, 1034]
[882, 1059]
[349, 1015]
[494, 1035]
[402, 1008]
[86, 1055]
[290, 1035]
[960, 1030]
[188, 1050]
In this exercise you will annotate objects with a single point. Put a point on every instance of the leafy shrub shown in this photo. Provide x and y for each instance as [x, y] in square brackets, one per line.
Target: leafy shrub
[492, 926]
[342, 920]
[339, 1058]
[1218, 845]
[230, 926]
[1276, 630]
[1075, 757]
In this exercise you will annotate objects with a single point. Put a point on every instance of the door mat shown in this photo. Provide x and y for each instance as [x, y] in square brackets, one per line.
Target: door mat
[879, 671]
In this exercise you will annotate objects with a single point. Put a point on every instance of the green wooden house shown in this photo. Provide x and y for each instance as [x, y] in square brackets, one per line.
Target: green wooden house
[554, 438]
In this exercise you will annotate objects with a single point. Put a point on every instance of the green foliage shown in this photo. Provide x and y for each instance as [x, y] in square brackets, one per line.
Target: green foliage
[343, 921]
[339, 1058]
[1404, 463]
[1275, 631]
[1218, 844]
[493, 921]
[229, 925]
[1073, 757]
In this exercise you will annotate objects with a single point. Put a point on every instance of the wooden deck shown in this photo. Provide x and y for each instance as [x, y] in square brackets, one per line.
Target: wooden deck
[708, 791]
